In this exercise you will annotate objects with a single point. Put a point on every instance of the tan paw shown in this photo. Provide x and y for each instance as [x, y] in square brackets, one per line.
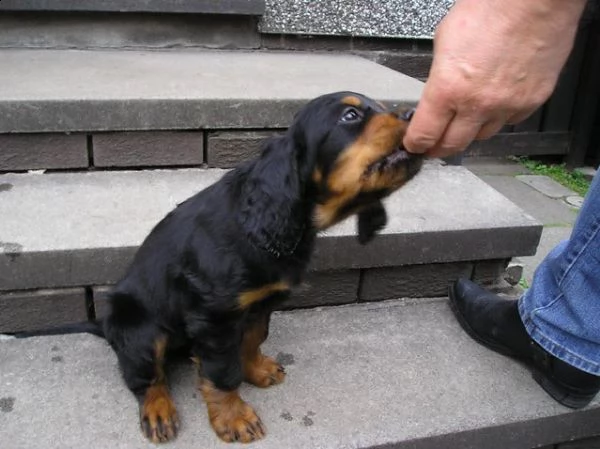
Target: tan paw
[158, 416]
[242, 425]
[264, 372]
[230, 417]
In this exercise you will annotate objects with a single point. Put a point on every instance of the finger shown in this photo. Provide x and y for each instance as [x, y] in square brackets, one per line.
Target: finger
[520, 116]
[459, 134]
[490, 129]
[427, 125]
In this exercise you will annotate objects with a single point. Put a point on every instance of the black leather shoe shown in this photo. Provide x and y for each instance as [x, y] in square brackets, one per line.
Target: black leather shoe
[495, 323]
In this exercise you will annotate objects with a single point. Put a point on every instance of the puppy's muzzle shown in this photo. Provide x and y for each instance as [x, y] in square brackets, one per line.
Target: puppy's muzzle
[399, 156]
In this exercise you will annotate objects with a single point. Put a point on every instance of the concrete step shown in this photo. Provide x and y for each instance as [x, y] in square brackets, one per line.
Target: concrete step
[74, 233]
[93, 29]
[237, 7]
[119, 24]
[75, 229]
[69, 90]
[397, 374]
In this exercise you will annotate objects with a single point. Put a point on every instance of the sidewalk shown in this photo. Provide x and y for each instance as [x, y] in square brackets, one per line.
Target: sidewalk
[539, 196]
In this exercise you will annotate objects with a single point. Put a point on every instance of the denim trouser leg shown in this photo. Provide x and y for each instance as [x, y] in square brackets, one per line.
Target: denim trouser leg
[561, 310]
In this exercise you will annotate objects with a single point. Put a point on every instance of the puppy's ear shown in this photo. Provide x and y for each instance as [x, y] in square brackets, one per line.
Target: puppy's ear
[370, 221]
[308, 133]
[272, 211]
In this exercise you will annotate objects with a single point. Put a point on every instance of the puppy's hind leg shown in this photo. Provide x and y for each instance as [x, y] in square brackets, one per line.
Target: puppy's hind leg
[259, 369]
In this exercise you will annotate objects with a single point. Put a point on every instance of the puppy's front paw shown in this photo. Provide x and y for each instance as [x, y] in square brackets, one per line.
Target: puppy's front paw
[158, 416]
[241, 424]
[230, 417]
[263, 372]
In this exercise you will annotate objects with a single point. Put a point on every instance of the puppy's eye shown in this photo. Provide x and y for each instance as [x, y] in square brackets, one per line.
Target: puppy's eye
[351, 115]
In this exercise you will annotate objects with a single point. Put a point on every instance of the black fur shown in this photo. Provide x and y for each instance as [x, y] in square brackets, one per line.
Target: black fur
[251, 228]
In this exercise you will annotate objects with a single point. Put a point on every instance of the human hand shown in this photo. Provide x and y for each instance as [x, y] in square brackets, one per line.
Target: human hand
[495, 62]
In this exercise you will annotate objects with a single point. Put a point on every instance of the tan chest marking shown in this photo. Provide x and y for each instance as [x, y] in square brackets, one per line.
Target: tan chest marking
[249, 297]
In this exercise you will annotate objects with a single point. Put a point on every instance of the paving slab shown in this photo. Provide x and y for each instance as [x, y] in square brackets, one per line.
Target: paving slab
[546, 185]
[397, 374]
[76, 229]
[587, 172]
[481, 165]
[70, 90]
[547, 210]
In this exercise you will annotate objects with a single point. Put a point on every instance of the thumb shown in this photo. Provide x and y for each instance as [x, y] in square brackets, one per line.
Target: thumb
[427, 126]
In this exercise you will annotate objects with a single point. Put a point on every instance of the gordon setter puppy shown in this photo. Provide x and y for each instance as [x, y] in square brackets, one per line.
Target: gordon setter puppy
[210, 273]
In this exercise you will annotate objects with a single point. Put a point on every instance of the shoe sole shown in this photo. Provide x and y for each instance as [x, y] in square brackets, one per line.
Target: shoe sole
[557, 391]
[551, 386]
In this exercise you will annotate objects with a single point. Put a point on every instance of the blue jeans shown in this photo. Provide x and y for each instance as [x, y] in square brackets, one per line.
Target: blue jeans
[561, 310]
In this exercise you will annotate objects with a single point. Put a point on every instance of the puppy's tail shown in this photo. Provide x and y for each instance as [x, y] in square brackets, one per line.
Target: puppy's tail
[86, 327]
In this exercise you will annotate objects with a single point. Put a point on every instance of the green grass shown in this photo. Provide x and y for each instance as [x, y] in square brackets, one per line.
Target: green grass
[570, 179]
[524, 284]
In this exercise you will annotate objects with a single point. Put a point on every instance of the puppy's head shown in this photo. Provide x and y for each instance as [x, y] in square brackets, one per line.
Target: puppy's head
[354, 145]
[341, 155]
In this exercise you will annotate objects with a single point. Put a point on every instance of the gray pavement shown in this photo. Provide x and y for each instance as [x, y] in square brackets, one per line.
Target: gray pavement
[538, 196]
[401, 373]
[549, 211]
[546, 186]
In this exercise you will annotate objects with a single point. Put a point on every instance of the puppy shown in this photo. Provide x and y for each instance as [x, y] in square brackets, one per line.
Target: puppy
[210, 273]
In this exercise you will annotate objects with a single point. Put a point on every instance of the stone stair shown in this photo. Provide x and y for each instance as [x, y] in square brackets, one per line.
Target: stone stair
[87, 118]
[75, 231]
[87, 91]
[396, 374]
[120, 110]
[234, 7]
[156, 24]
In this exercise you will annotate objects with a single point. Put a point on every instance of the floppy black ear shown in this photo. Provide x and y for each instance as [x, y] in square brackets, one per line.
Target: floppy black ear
[370, 221]
[272, 211]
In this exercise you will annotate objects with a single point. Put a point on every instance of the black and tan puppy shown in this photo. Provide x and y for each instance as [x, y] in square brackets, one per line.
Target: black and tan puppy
[209, 274]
